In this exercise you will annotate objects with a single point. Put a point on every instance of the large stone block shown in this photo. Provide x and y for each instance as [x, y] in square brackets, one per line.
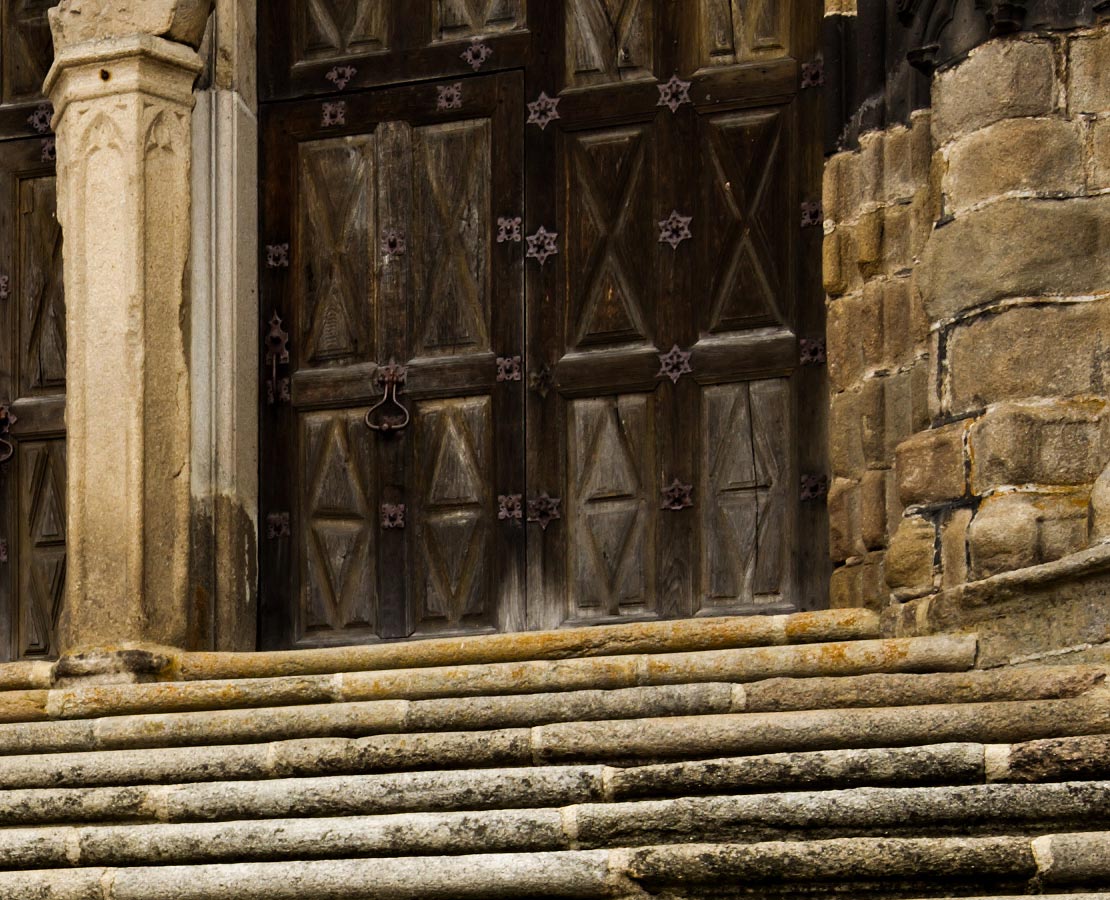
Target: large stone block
[1089, 70]
[905, 327]
[906, 406]
[855, 335]
[845, 436]
[873, 491]
[1017, 248]
[909, 561]
[953, 547]
[1100, 153]
[1055, 443]
[932, 465]
[1042, 156]
[841, 197]
[1055, 350]
[78, 21]
[844, 520]
[1003, 79]
[1014, 531]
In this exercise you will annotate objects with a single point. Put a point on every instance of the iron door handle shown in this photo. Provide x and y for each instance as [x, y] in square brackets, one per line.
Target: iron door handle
[391, 378]
[7, 419]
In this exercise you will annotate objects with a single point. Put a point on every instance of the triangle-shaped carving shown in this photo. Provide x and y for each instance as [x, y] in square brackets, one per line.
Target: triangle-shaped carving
[611, 472]
[49, 513]
[611, 530]
[339, 550]
[608, 312]
[450, 549]
[337, 484]
[455, 475]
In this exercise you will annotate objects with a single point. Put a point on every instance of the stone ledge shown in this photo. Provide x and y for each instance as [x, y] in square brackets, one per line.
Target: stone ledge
[1023, 615]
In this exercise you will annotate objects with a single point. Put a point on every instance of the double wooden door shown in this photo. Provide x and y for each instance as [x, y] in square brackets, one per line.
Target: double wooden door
[535, 280]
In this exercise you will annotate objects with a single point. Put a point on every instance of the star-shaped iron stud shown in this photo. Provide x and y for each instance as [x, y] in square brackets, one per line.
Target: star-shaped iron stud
[476, 54]
[678, 496]
[674, 93]
[543, 111]
[674, 364]
[675, 229]
[543, 245]
[510, 368]
[544, 510]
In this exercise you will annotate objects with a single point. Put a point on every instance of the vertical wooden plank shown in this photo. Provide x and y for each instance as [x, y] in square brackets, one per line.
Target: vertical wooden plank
[394, 177]
[545, 284]
[9, 469]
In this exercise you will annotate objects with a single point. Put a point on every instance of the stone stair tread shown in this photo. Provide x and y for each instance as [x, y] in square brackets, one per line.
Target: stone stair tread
[973, 810]
[1011, 861]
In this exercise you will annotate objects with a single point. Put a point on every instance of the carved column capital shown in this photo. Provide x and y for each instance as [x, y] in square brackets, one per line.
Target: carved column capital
[76, 22]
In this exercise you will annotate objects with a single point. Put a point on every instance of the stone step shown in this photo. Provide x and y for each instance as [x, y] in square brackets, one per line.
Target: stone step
[1009, 862]
[745, 665]
[176, 800]
[697, 721]
[902, 812]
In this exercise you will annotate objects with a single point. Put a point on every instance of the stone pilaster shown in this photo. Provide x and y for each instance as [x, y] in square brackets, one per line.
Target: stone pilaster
[123, 98]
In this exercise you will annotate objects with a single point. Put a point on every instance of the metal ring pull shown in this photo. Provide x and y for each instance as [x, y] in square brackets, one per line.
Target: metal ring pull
[7, 448]
[391, 378]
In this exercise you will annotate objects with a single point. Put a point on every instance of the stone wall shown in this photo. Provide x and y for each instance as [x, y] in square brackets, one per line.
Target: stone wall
[967, 267]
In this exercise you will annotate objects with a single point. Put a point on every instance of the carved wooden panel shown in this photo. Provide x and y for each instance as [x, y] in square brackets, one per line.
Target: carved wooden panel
[333, 255]
[611, 506]
[736, 31]
[339, 527]
[745, 478]
[455, 515]
[452, 234]
[42, 546]
[610, 220]
[26, 48]
[745, 229]
[338, 28]
[609, 41]
[454, 20]
[42, 312]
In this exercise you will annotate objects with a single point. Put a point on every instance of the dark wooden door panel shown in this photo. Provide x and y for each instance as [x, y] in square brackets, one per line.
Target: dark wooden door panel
[26, 52]
[330, 46]
[32, 386]
[393, 259]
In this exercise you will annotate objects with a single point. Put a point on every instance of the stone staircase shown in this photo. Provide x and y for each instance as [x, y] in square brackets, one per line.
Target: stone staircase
[788, 756]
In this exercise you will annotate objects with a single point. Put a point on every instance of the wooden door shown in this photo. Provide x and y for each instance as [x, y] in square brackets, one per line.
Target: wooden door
[32, 344]
[650, 173]
[388, 263]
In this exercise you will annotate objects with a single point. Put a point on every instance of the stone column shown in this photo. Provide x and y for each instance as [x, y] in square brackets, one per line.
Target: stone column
[122, 88]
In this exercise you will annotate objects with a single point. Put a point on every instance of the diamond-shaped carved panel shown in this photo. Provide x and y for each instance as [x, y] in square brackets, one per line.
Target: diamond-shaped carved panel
[611, 506]
[455, 516]
[338, 28]
[610, 220]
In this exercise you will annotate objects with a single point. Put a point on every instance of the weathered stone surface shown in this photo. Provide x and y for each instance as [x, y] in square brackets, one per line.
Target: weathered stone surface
[951, 763]
[648, 739]
[844, 504]
[1074, 858]
[1015, 531]
[77, 21]
[874, 492]
[855, 335]
[905, 407]
[1089, 73]
[1063, 759]
[931, 465]
[26, 676]
[1058, 443]
[1014, 249]
[978, 686]
[1002, 79]
[841, 858]
[1026, 614]
[909, 561]
[1052, 350]
[953, 547]
[1042, 157]
[608, 640]
[1100, 154]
